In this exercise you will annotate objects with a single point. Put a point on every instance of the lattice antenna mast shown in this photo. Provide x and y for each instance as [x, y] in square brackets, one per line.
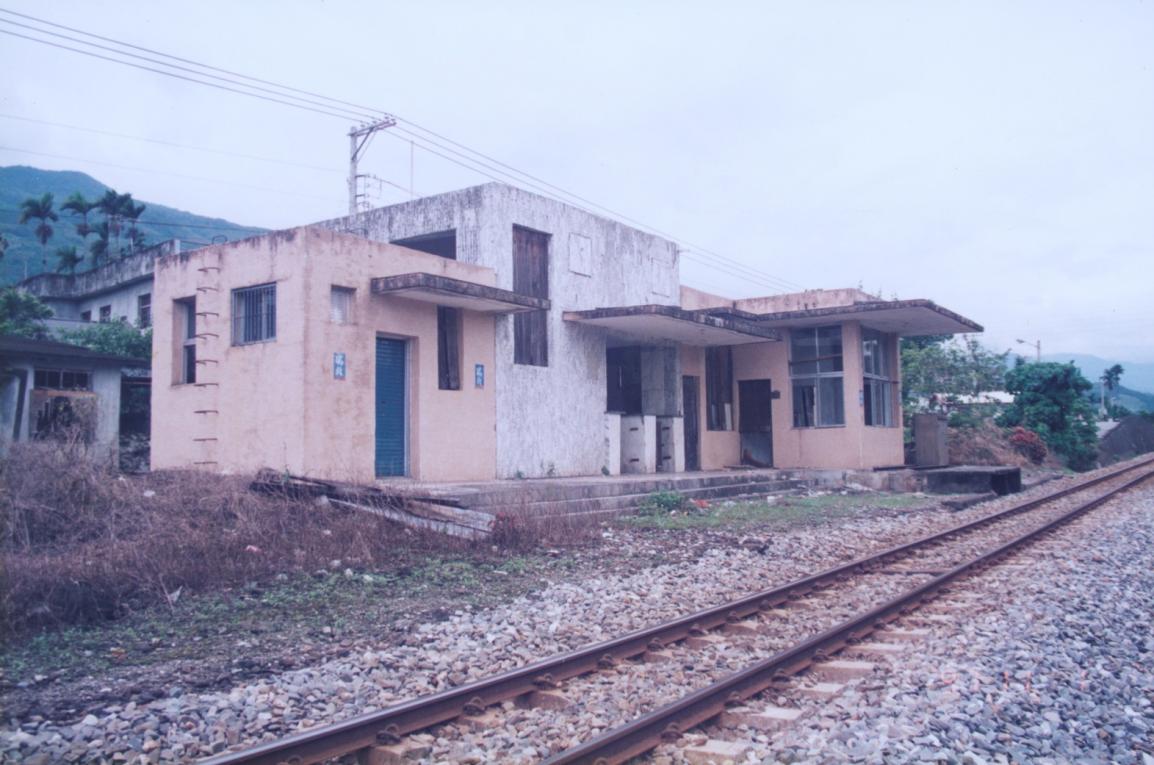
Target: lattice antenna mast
[359, 138]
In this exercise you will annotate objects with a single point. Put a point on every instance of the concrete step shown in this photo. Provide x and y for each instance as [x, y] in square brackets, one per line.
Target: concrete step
[616, 504]
[522, 492]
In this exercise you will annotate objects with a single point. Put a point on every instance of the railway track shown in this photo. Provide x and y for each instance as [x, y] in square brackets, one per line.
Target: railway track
[796, 625]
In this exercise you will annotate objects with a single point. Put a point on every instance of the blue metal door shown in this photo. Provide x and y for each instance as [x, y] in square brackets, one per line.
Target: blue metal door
[390, 398]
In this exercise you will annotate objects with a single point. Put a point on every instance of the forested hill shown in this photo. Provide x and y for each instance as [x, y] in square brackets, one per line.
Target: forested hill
[158, 223]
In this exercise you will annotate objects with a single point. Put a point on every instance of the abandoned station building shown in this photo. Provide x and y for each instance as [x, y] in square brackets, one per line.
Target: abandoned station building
[493, 333]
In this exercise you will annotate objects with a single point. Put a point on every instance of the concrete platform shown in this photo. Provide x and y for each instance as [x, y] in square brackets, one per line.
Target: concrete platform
[974, 479]
[604, 495]
[614, 495]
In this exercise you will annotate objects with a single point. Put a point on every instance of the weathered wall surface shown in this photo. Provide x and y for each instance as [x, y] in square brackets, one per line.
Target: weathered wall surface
[117, 284]
[105, 388]
[800, 301]
[544, 414]
[279, 405]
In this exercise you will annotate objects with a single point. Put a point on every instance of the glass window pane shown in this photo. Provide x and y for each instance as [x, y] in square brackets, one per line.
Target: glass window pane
[831, 402]
[804, 403]
[802, 344]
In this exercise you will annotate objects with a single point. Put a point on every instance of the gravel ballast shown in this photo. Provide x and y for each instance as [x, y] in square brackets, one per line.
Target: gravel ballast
[1053, 664]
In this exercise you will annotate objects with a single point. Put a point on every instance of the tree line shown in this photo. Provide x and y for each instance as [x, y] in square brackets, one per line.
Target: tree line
[111, 221]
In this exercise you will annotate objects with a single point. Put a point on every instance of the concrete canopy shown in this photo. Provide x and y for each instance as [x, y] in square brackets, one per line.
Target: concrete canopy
[456, 293]
[672, 324]
[900, 317]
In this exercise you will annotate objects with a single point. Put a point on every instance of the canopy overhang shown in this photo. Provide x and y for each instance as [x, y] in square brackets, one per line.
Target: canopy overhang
[667, 323]
[908, 318]
[456, 293]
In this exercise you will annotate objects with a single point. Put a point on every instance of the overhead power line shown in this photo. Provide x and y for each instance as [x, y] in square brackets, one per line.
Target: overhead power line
[172, 144]
[431, 141]
[162, 172]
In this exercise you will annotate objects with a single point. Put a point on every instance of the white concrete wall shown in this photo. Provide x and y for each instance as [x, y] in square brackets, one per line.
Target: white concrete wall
[549, 419]
[105, 385]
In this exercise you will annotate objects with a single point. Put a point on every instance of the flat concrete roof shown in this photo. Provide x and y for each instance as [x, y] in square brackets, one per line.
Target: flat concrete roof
[671, 323]
[456, 293]
[901, 317]
[33, 348]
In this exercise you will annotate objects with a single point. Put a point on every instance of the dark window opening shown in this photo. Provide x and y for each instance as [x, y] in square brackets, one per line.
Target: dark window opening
[106, 313]
[86, 315]
[144, 311]
[623, 380]
[254, 314]
[443, 244]
[531, 277]
[719, 388]
[448, 348]
[65, 417]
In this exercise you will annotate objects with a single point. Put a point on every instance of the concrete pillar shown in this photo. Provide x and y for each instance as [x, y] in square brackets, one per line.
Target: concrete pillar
[638, 443]
[612, 461]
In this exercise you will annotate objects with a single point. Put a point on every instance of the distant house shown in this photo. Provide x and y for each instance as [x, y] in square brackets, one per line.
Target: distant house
[51, 390]
[493, 333]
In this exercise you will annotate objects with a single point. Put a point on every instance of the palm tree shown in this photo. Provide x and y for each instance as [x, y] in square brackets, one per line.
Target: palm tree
[99, 246]
[68, 258]
[111, 205]
[78, 205]
[132, 212]
[1111, 379]
[40, 209]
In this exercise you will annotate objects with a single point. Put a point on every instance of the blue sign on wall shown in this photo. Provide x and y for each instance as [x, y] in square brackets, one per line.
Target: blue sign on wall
[479, 375]
[339, 366]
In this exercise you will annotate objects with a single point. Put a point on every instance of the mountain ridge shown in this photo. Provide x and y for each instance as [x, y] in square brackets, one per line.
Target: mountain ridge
[158, 222]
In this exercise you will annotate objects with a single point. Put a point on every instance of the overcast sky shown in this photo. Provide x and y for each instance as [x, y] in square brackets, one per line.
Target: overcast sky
[995, 157]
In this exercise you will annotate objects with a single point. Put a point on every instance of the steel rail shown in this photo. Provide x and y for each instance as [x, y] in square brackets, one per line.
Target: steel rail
[669, 722]
[388, 726]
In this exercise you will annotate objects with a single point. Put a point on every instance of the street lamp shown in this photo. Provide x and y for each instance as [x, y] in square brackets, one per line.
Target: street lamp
[1037, 346]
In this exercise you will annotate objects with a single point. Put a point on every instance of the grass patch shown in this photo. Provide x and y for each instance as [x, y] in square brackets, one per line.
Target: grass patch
[784, 511]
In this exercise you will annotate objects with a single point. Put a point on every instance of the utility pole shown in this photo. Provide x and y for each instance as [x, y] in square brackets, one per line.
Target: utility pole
[1037, 346]
[358, 142]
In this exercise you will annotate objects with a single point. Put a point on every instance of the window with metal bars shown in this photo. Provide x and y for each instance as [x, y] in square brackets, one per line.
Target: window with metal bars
[254, 314]
[62, 379]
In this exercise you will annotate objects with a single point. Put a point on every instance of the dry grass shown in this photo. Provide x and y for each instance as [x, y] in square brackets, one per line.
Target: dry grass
[82, 544]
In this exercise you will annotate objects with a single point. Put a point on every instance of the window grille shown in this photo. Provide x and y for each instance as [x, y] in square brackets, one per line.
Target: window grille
[62, 379]
[254, 314]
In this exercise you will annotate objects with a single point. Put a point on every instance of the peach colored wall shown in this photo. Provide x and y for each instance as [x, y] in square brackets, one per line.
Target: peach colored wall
[693, 300]
[279, 404]
[798, 301]
[851, 446]
[719, 448]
